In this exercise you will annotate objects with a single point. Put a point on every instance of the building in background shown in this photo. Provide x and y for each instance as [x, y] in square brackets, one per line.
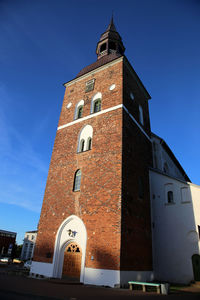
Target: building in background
[7, 242]
[28, 245]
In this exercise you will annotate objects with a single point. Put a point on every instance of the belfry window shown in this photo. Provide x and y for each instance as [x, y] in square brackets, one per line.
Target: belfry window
[77, 181]
[103, 47]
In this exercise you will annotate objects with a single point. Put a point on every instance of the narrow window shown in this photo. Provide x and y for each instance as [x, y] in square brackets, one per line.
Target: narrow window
[89, 143]
[80, 112]
[77, 181]
[141, 119]
[97, 105]
[82, 145]
[170, 197]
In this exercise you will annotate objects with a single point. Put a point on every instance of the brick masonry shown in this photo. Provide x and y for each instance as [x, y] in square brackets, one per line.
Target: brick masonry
[116, 220]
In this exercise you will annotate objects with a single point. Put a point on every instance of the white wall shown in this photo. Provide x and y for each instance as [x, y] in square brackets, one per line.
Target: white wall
[174, 230]
[160, 156]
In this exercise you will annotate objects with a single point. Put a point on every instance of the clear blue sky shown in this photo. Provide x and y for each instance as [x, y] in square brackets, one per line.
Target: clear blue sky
[44, 43]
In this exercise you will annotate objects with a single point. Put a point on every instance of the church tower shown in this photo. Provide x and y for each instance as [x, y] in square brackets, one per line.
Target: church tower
[95, 222]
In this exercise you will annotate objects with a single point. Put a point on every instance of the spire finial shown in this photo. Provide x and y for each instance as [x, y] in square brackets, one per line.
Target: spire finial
[111, 26]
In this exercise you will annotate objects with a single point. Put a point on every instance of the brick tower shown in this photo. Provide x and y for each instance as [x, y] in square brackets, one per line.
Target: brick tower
[95, 221]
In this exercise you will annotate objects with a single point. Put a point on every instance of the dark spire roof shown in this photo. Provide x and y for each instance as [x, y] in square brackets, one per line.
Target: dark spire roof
[111, 26]
[110, 42]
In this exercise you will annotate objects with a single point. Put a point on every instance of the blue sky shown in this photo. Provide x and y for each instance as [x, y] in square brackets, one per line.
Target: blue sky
[44, 43]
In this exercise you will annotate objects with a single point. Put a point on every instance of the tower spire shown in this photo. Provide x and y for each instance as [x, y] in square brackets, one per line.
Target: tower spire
[110, 41]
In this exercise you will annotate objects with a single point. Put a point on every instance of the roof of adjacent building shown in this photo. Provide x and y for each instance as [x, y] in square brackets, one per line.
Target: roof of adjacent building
[33, 231]
[173, 157]
[7, 232]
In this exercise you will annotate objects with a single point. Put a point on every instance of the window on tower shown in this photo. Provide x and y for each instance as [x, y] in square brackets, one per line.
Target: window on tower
[103, 47]
[89, 143]
[141, 117]
[85, 139]
[96, 103]
[77, 181]
[79, 110]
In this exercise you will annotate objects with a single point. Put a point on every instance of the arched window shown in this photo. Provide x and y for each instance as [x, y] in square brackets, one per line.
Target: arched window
[83, 141]
[77, 181]
[170, 197]
[89, 143]
[79, 110]
[96, 103]
[141, 118]
[82, 144]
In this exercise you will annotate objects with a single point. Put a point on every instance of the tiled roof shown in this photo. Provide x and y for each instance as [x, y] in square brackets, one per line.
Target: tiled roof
[100, 62]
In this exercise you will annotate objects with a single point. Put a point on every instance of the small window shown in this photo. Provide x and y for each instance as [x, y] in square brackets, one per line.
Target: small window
[97, 105]
[32, 237]
[82, 144]
[80, 112]
[77, 181]
[141, 118]
[170, 197]
[103, 47]
[199, 231]
[89, 143]
[89, 86]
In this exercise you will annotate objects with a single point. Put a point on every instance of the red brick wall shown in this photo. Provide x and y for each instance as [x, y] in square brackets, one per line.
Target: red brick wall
[120, 154]
[98, 203]
[136, 247]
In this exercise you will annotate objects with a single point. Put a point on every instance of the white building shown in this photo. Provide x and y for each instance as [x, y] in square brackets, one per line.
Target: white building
[28, 245]
[175, 203]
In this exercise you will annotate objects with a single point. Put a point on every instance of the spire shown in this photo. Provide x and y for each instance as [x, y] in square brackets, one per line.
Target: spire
[111, 26]
[110, 42]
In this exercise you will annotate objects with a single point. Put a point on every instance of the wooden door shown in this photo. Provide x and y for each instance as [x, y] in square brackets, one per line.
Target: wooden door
[72, 261]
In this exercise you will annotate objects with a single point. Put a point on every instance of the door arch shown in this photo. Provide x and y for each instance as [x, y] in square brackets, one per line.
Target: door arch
[72, 230]
[72, 261]
[196, 266]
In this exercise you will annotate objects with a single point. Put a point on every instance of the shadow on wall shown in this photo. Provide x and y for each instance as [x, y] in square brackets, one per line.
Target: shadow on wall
[175, 211]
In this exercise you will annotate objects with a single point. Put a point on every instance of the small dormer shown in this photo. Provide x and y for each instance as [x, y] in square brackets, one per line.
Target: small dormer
[110, 42]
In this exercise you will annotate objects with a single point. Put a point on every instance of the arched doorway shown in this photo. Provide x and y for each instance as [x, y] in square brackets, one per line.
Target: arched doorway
[72, 261]
[196, 266]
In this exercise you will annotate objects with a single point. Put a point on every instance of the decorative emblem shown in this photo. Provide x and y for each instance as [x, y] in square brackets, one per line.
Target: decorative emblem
[71, 233]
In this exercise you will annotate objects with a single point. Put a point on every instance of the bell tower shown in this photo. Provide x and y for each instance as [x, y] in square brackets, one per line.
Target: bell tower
[95, 222]
[110, 42]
